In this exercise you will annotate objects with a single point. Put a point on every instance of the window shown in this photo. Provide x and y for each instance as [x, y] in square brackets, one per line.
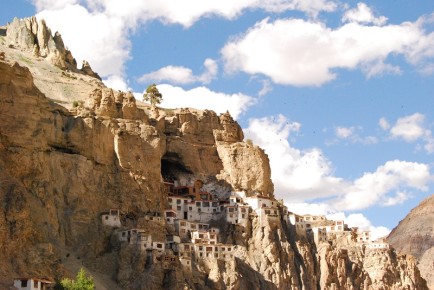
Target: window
[160, 246]
[178, 207]
[23, 283]
[178, 201]
[106, 217]
[190, 208]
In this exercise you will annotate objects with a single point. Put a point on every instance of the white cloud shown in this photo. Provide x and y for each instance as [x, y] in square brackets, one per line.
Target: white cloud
[363, 14]
[117, 82]
[410, 128]
[303, 208]
[384, 124]
[95, 37]
[101, 28]
[266, 88]
[399, 198]
[202, 98]
[360, 221]
[344, 132]
[304, 175]
[374, 187]
[306, 53]
[52, 4]
[351, 134]
[181, 75]
[187, 12]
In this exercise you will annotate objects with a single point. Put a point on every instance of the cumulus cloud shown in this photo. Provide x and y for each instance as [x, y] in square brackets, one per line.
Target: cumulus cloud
[182, 75]
[360, 221]
[344, 132]
[351, 134]
[116, 82]
[52, 4]
[411, 128]
[96, 37]
[376, 187]
[187, 12]
[363, 14]
[384, 124]
[305, 175]
[204, 98]
[306, 53]
[101, 34]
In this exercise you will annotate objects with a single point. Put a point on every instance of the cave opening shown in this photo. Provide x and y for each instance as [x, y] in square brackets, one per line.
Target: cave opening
[172, 167]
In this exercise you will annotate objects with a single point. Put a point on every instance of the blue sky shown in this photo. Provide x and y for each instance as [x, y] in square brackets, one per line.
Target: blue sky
[339, 94]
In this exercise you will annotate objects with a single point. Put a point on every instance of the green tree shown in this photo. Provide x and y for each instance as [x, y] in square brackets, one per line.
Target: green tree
[152, 95]
[81, 282]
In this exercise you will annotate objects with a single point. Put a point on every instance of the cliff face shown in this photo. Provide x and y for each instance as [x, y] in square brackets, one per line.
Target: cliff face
[415, 236]
[61, 169]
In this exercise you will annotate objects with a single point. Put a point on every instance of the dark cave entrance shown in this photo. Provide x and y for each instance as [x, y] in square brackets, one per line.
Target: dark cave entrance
[172, 167]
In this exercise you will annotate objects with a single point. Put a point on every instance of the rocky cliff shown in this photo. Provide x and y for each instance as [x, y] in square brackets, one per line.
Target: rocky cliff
[415, 236]
[62, 167]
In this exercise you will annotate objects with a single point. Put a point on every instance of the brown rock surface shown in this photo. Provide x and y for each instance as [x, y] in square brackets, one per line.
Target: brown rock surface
[414, 235]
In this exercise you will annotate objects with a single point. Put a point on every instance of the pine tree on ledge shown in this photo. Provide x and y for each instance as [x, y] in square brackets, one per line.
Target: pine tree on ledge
[152, 95]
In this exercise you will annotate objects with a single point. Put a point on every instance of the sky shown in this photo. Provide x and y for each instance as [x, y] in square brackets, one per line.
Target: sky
[339, 94]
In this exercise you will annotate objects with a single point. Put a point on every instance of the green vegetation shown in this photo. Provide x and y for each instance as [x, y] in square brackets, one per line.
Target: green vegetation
[152, 95]
[81, 282]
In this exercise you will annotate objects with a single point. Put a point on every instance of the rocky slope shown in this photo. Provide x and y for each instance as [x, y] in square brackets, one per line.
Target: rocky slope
[61, 168]
[415, 236]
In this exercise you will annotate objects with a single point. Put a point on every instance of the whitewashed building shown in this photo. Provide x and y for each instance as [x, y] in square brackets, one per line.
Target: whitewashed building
[377, 245]
[31, 283]
[183, 227]
[298, 222]
[204, 210]
[172, 243]
[319, 235]
[204, 237]
[185, 262]
[170, 215]
[258, 202]
[112, 218]
[219, 251]
[363, 236]
[130, 236]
